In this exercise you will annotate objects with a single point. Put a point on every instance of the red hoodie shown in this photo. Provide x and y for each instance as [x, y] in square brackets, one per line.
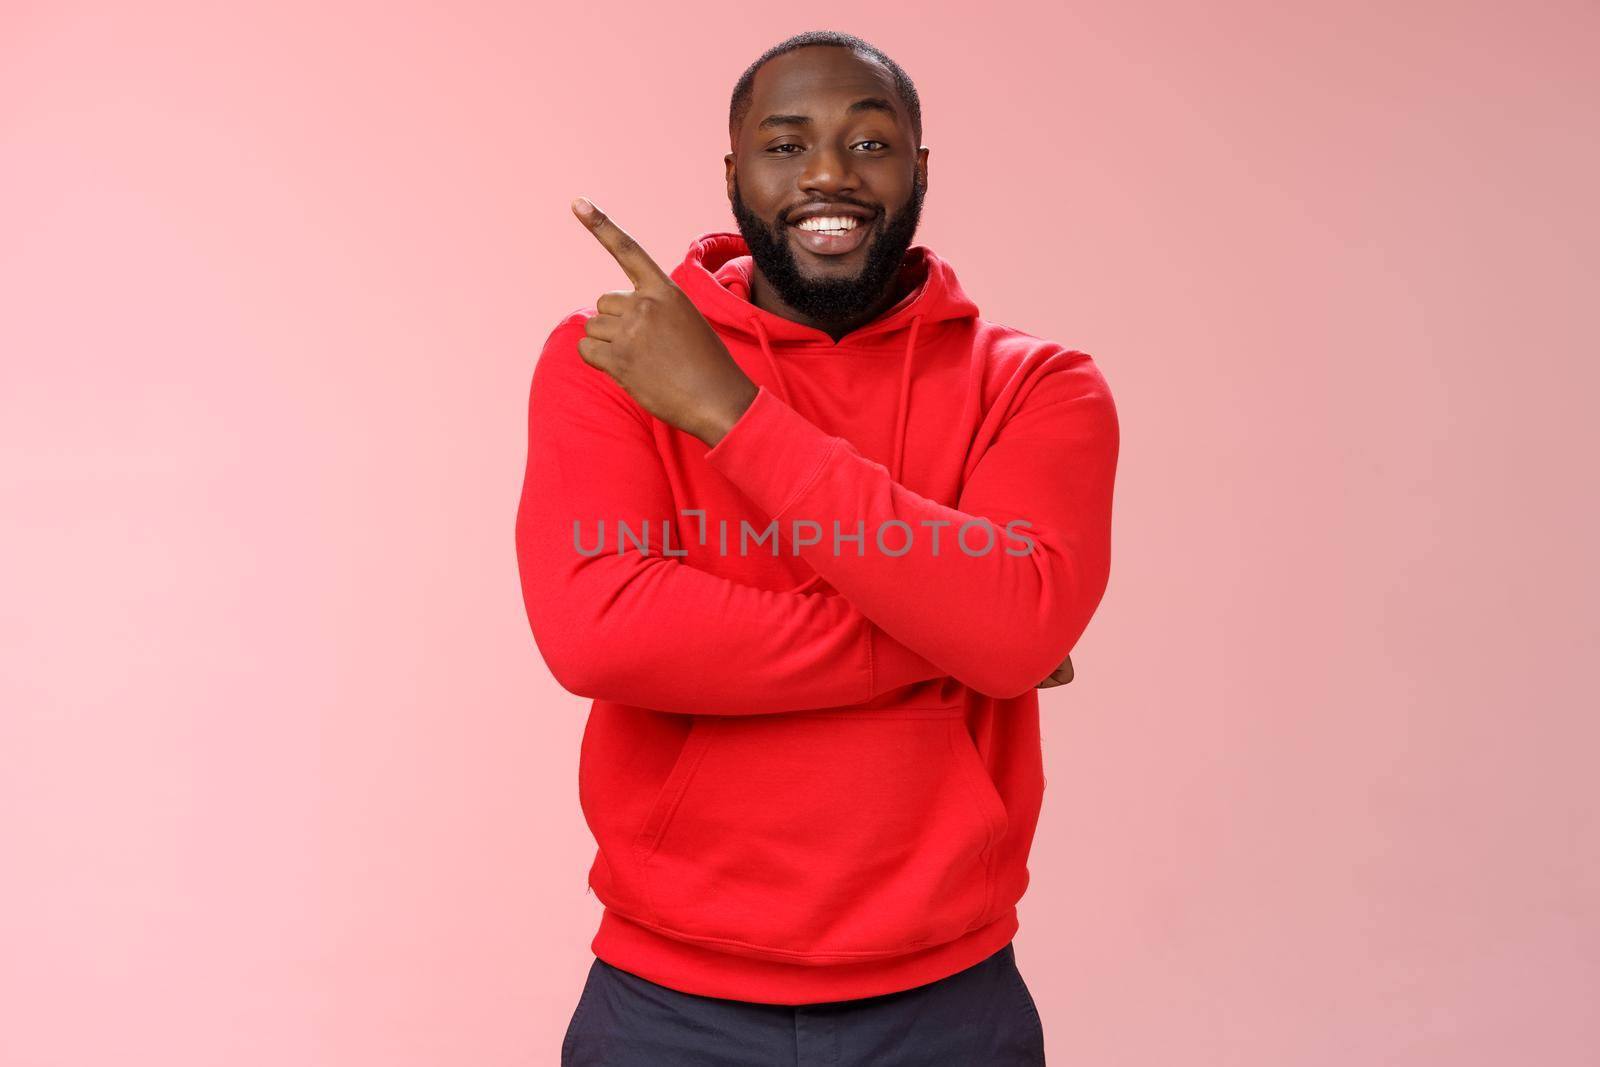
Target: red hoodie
[812, 766]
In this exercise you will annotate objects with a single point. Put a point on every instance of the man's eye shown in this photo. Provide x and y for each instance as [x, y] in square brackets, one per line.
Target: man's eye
[779, 148]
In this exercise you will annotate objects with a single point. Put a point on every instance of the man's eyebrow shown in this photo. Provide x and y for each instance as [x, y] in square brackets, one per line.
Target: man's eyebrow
[871, 103]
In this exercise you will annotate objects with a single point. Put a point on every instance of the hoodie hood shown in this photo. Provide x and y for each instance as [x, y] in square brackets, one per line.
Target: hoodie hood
[716, 274]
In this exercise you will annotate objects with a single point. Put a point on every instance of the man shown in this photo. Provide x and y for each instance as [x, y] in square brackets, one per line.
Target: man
[810, 532]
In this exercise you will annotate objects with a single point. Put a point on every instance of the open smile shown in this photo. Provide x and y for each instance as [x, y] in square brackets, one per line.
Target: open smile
[831, 236]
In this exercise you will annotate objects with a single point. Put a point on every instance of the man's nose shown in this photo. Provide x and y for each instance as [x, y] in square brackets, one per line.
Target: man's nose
[828, 171]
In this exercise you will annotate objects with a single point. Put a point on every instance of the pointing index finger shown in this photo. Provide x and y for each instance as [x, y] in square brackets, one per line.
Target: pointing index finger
[635, 261]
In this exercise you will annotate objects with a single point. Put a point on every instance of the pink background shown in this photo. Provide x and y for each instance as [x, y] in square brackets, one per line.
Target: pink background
[282, 777]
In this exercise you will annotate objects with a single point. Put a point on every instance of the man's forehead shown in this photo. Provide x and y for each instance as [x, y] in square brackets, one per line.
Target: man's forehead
[819, 83]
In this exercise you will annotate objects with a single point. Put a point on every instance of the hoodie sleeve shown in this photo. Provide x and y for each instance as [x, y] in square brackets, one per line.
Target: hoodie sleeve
[999, 620]
[647, 629]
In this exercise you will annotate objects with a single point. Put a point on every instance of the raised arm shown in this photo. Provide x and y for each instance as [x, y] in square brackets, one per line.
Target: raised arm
[652, 630]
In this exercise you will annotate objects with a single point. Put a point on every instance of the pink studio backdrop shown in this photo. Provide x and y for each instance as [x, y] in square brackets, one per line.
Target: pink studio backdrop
[282, 777]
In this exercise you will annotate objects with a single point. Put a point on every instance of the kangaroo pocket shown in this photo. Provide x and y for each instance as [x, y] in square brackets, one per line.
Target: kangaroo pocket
[823, 835]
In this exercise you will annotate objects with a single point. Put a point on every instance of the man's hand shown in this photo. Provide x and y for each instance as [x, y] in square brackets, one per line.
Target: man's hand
[657, 345]
[1060, 676]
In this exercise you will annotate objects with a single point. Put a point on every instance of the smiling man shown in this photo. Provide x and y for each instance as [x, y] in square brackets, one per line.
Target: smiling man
[811, 533]
[845, 260]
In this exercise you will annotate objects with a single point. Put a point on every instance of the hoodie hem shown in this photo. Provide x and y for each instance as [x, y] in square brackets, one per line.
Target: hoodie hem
[692, 968]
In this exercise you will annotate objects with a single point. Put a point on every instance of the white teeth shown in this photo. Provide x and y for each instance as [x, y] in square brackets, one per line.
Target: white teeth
[843, 224]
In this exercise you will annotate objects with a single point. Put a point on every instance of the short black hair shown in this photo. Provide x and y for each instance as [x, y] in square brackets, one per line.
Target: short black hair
[739, 106]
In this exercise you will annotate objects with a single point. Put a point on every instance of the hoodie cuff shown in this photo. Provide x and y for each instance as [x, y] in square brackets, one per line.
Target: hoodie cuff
[772, 453]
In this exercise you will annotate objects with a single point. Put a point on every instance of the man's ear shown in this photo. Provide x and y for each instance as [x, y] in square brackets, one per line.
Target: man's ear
[728, 163]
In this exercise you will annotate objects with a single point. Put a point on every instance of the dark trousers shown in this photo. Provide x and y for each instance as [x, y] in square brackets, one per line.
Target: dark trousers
[983, 1016]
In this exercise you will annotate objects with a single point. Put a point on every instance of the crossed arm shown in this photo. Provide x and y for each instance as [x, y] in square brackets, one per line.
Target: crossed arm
[959, 591]
[642, 628]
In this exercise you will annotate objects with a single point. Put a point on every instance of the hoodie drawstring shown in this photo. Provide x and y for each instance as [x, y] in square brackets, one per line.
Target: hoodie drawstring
[766, 350]
[902, 407]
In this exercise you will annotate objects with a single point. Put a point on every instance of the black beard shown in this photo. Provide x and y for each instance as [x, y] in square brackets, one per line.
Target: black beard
[830, 301]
